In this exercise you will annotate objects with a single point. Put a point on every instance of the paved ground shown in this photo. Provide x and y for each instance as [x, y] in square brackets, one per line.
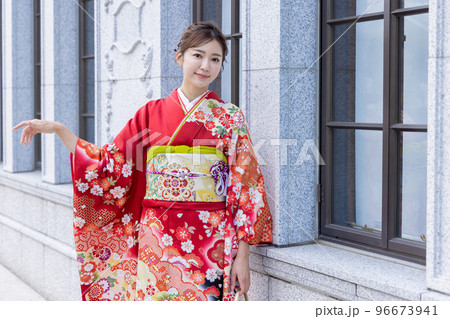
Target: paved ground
[14, 289]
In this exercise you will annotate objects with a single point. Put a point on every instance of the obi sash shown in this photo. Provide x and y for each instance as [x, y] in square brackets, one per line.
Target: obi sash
[186, 174]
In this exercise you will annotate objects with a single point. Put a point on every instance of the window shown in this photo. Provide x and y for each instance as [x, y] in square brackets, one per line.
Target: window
[37, 79]
[1, 87]
[87, 71]
[374, 125]
[224, 13]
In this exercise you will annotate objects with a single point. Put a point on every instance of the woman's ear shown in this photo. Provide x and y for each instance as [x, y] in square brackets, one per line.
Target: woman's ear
[179, 58]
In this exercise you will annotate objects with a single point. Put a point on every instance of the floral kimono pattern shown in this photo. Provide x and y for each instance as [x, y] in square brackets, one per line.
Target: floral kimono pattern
[132, 248]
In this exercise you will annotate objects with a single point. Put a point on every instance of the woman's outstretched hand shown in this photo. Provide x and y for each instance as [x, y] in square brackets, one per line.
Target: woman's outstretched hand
[240, 270]
[32, 127]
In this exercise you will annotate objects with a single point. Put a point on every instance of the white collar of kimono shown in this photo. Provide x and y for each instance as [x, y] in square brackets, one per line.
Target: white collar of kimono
[186, 102]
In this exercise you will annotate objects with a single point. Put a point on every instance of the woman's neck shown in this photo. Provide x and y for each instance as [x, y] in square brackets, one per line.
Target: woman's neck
[192, 93]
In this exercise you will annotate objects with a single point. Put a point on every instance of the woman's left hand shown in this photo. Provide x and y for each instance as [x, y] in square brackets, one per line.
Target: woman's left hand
[240, 270]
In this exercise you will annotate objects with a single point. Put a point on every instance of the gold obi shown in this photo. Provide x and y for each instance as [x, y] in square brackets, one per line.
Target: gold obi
[187, 174]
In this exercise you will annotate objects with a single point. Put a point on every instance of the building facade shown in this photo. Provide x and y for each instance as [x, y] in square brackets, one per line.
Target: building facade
[348, 104]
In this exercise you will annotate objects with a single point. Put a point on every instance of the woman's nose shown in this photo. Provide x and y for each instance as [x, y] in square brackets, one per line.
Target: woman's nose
[205, 65]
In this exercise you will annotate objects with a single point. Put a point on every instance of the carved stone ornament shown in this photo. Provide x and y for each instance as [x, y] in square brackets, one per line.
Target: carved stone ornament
[146, 78]
[127, 19]
[127, 16]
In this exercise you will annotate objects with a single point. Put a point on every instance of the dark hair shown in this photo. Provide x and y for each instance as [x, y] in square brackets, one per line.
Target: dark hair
[200, 33]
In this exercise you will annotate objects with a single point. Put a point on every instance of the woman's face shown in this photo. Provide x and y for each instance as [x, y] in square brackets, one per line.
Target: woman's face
[201, 65]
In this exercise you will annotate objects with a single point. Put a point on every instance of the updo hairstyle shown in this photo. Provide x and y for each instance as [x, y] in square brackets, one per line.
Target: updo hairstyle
[200, 33]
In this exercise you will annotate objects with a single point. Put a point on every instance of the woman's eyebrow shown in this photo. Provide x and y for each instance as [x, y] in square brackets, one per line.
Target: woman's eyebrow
[220, 55]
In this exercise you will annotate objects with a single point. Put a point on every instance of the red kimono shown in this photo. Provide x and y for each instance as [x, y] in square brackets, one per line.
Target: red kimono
[134, 247]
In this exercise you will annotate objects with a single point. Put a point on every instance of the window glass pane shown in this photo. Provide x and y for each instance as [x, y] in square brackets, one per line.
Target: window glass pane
[89, 28]
[414, 3]
[240, 100]
[1, 91]
[215, 86]
[211, 12]
[358, 73]
[90, 88]
[413, 108]
[226, 17]
[347, 8]
[226, 76]
[90, 129]
[357, 179]
[37, 91]
[412, 190]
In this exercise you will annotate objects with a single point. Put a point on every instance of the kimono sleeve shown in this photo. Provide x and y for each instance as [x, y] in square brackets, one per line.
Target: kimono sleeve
[102, 180]
[103, 177]
[246, 195]
[107, 192]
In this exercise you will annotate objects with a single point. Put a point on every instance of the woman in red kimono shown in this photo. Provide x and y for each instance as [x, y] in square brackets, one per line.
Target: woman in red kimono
[168, 210]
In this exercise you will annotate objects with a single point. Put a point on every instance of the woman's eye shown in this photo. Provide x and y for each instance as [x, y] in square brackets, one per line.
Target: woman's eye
[197, 55]
[216, 60]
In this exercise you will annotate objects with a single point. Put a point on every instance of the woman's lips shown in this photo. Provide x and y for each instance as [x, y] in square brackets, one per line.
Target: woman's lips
[202, 76]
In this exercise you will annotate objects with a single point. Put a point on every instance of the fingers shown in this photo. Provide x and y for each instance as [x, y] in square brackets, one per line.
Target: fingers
[30, 138]
[244, 283]
[27, 133]
[21, 124]
[233, 280]
[24, 135]
[240, 281]
[246, 287]
[24, 139]
[27, 136]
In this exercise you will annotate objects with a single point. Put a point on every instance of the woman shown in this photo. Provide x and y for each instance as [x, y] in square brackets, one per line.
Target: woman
[164, 211]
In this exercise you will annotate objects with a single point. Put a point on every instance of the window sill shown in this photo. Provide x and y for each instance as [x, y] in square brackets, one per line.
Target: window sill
[344, 274]
[31, 183]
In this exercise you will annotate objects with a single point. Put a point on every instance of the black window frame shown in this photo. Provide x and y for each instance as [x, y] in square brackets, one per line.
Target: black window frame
[235, 38]
[388, 243]
[83, 58]
[1, 85]
[37, 79]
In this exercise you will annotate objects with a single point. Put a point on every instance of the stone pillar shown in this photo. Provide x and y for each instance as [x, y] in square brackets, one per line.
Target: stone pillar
[59, 67]
[260, 89]
[299, 120]
[135, 57]
[280, 101]
[18, 81]
[438, 173]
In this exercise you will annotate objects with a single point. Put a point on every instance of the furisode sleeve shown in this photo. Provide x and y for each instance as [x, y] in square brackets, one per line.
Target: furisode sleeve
[107, 192]
[102, 179]
[246, 195]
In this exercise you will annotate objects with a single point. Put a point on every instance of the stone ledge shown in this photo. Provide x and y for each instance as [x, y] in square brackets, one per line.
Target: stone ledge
[338, 272]
[31, 183]
[14, 289]
[435, 296]
[48, 267]
[280, 290]
[44, 239]
[311, 280]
